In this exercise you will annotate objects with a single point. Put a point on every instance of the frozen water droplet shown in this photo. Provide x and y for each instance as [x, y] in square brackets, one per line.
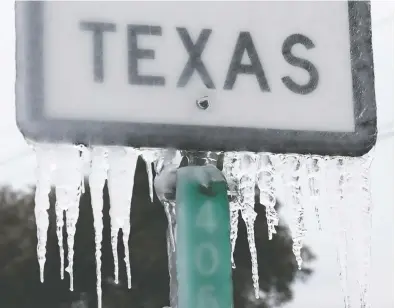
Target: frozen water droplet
[44, 157]
[122, 167]
[97, 179]
[68, 182]
[265, 181]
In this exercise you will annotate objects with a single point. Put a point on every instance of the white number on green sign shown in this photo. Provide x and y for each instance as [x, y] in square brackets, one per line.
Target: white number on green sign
[206, 218]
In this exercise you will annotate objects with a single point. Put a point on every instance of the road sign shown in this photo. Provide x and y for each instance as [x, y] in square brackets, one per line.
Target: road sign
[203, 247]
[261, 76]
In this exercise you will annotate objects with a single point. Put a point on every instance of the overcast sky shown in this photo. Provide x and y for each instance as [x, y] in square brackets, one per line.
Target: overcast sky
[17, 164]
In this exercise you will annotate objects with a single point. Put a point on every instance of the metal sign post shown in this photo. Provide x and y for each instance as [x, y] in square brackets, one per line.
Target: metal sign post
[203, 246]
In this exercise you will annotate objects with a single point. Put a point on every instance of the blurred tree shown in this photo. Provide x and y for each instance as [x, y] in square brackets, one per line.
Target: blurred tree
[19, 274]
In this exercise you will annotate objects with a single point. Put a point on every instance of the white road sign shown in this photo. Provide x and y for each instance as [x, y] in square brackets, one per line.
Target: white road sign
[270, 75]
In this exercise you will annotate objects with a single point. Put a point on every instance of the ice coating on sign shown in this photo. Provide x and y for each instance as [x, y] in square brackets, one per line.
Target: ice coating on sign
[68, 180]
[230, 170]
[314, 164]
[265, 181]
[246, 196]
[97, 179]
[122, 167]
[44, 170]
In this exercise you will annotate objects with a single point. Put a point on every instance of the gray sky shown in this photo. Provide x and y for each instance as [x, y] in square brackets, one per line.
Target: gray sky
[17, 164]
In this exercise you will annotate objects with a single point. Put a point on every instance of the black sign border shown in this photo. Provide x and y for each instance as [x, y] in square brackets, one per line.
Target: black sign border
[35, 126]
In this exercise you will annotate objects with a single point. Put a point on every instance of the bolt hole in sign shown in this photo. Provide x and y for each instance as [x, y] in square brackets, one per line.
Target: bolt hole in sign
[278, 76]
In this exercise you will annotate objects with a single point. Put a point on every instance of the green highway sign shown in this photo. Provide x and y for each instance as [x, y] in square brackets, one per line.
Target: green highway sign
[203, 246]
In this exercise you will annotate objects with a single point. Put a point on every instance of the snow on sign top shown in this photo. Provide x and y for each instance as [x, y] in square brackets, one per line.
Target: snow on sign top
[260, 76]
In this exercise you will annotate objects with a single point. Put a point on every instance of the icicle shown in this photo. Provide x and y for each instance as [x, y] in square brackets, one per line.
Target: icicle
[97, 179]
[125, 239]
[122, 167]
[166, 158]
[265, 181]
[363, 171]
[248, 171]
[150, 180]
[150, 155]
[114, 246]
[43, 188]
[314, 166]
[170, 207]
[337, 179]
[59, 212]
[291, 175]
[68, 185]
[172, 268]
[234, 220]
[281, 178]
[165, 187]
[344, 177]
[249, 215]
[230, 171]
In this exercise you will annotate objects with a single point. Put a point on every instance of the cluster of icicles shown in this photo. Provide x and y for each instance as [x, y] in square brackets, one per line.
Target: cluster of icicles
[301, 180]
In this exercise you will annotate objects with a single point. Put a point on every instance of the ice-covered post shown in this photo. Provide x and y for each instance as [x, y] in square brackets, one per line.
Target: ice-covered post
[165, 186]
[202, 158]
[202, 232]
